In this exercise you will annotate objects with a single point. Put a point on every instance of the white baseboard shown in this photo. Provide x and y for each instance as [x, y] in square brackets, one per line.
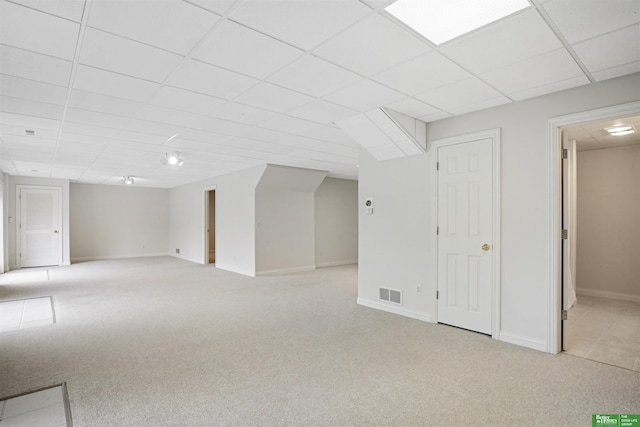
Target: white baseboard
[607, 294]
[512, 338]
[286, 270]
[395, 310]
[108, 257]
[233, 269]
[336, 263]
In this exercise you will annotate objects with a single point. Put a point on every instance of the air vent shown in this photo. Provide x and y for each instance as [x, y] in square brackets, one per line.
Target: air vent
[29, 132]
[390, 295]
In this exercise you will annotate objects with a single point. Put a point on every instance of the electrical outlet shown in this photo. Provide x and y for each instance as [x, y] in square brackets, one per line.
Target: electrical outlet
[418, 289]
[177, 250]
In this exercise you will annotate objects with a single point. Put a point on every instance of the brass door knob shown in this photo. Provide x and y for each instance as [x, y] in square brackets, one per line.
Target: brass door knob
[486, 247]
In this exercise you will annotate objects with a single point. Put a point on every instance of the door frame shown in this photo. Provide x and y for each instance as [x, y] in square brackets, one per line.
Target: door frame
[494, 135]
[205, 259]
[18, 222]
[554, 189]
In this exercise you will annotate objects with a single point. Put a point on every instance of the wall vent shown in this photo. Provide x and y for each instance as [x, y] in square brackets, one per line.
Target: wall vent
[390, 295]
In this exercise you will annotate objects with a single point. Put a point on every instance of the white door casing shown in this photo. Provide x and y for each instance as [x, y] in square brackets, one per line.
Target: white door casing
[465, 235]
[39, 241]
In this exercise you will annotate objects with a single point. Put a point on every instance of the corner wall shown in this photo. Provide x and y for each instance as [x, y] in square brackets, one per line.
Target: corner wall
[401, 222]
[336, 211]
[609, 222]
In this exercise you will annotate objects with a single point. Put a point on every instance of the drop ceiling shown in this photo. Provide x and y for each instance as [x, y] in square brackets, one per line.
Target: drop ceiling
[110, 86]
[593, 136]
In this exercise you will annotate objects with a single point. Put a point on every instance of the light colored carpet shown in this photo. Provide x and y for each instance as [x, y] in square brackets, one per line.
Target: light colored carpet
[164, 342]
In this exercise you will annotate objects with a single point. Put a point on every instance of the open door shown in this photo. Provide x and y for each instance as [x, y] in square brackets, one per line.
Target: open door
[211, 226]
[569, 227]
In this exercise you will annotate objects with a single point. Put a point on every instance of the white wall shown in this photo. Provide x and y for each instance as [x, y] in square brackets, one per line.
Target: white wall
[285, 219]
[397, 238]
[4, 232]
[609, 221]
[61, 183]
[109, 221]
[336, 203]
[235, 220]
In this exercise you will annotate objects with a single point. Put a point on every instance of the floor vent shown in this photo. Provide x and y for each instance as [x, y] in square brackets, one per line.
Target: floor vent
[390, 295]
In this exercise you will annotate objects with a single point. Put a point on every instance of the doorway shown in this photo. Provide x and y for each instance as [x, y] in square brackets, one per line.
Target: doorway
[39, 228]
[467, 244]
[210, 234]
[557, 324]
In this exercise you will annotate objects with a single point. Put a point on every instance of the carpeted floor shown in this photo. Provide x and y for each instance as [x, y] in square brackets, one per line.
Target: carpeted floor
[164, 342]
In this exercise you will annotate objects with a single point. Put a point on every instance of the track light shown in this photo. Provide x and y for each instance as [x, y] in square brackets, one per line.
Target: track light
[172, 159]
[127, 180]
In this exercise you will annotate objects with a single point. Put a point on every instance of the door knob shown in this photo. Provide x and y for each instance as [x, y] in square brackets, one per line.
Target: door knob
[486, 247]
[55, 231]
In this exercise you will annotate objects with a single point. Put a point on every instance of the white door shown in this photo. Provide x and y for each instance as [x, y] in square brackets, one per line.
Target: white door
[465, 231]
[40, 227]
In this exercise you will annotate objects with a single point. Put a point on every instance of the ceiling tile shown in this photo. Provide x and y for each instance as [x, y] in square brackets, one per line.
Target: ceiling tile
[103, 104]
[550, 88]
[141, 137]
[481, 105]
[38, 32]
[426, 72]
[365, 95]
[322, 112]
[73, 146]
[168, 115]
[225, 127]
[28, 143]
[171, 24]
[337, 149]
[611, 50]
[68, 9]
[289, 124]
[205, 137]
[89, 130]
[126, 56]
[210, 80]
[218, 6]
[372, 46]
[412, 108]
[32, 90]
[163, 130]
[84, 139]
[112, 84]
[302, 23]
[459, 94]
[78, 115]
[330, 134]
[579, 21]
[186, 100]
[621, 70]
[241, 49]
[28, 122]
[314, 77]
[33, 66]
[517, 38]
[31, 108]
[243, 113]
[273, 98]
[534, 72]
[7, 130]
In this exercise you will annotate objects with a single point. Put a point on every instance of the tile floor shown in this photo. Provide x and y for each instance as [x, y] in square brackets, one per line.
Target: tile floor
[606, 330]
[45, 408]
[26, 313]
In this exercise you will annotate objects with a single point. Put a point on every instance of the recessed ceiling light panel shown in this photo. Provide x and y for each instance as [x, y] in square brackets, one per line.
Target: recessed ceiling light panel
[442, 20]
[621, 130]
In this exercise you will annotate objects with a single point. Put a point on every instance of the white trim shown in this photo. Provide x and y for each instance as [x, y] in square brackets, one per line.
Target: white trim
[606, 294]
[522, 341]
[336, 263]
[18, 219]
[554, 242]
[495, 136]
[109, 257]
[395, 309]
[285, 270]
[205, 258]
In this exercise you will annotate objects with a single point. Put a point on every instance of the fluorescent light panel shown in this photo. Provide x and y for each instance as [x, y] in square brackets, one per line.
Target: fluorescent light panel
[443, 20]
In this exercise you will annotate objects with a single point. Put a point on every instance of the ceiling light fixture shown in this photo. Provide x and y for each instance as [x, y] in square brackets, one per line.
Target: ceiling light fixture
[172, 159]
[442, 20]
[621, 130]
[127, 180]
